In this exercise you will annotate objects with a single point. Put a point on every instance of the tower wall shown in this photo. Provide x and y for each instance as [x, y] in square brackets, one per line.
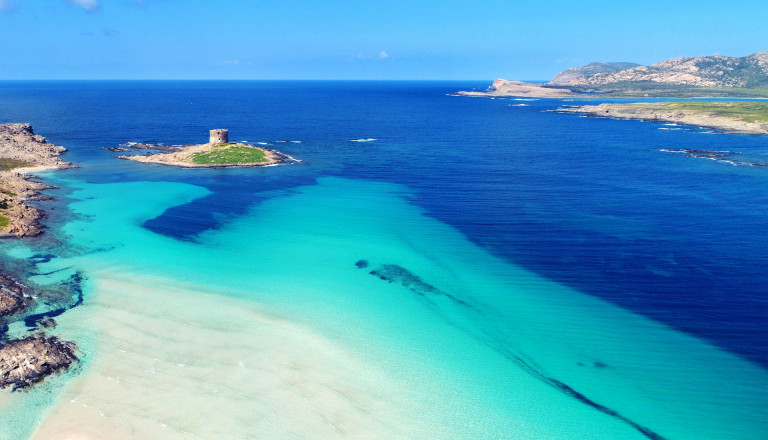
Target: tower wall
[219, 136]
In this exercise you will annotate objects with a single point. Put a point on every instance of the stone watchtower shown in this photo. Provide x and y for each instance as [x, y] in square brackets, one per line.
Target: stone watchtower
[219, 136]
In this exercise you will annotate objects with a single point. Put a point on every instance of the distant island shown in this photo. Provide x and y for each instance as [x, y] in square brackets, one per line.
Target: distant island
[712, 76]
[218, 152]
[730, 117]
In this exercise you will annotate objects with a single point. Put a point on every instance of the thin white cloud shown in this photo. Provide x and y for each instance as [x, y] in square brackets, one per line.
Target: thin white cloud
[228, 63]
[6, 5]
[88, 5]
[383, 55]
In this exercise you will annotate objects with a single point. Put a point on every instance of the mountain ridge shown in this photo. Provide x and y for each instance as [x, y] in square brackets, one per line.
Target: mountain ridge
[590, 69]
[703, 71]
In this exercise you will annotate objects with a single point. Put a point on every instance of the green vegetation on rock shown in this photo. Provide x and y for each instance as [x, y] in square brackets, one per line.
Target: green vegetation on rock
[231, 154]
[9, 164]
[4, 221]
[744, 110]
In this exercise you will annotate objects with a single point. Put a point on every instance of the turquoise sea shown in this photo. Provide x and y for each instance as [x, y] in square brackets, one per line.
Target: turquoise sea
[435, 267]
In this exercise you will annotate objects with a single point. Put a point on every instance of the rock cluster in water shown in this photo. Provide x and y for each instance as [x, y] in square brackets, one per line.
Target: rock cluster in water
[25, 362]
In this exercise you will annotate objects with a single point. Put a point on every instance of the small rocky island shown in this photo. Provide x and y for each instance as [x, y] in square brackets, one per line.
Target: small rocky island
[26, 361]
[218, 152]
[730, 117]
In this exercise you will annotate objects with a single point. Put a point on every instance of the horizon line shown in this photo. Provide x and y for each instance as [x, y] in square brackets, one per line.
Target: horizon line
[250, 79]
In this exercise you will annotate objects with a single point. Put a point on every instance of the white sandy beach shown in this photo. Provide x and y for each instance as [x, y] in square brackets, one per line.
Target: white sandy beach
[164, 369]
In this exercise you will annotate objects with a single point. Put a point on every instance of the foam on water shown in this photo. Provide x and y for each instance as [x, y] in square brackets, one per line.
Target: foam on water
[341, 310]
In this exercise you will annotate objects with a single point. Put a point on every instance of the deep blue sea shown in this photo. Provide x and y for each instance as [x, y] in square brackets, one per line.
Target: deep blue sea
[593, 206]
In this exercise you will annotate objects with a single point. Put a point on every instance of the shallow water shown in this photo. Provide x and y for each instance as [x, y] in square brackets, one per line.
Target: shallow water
[485, 333]
[349, 297]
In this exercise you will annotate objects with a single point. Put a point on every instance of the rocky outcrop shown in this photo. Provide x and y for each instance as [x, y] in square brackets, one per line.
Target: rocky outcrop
[575, 73]
[24, 362]
[19, 142]
[23, 220]
[21, 152]
[703, 71]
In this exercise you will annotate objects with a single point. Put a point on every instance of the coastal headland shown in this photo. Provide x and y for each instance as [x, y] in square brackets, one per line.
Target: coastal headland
[26, 361]
[712, 76]
[730, 117]
[504, 88]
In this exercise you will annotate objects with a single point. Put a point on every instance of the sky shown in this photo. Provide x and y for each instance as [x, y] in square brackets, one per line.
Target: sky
[343, 39]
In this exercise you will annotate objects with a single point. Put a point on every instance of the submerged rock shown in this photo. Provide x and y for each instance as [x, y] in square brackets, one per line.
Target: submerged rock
[11, 296]
[24, 362]
[393, 273]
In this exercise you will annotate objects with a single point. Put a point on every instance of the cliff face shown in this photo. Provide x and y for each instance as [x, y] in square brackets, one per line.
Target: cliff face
[705, 71]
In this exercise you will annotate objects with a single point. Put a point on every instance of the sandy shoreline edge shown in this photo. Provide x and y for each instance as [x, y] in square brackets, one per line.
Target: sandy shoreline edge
[301, 383]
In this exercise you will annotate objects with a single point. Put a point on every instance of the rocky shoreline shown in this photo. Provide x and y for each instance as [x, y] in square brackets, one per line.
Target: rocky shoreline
[23, 152]
[662, 112]
[26, 361]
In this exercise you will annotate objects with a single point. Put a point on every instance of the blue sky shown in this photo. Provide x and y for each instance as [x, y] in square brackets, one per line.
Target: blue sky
[335, 39]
